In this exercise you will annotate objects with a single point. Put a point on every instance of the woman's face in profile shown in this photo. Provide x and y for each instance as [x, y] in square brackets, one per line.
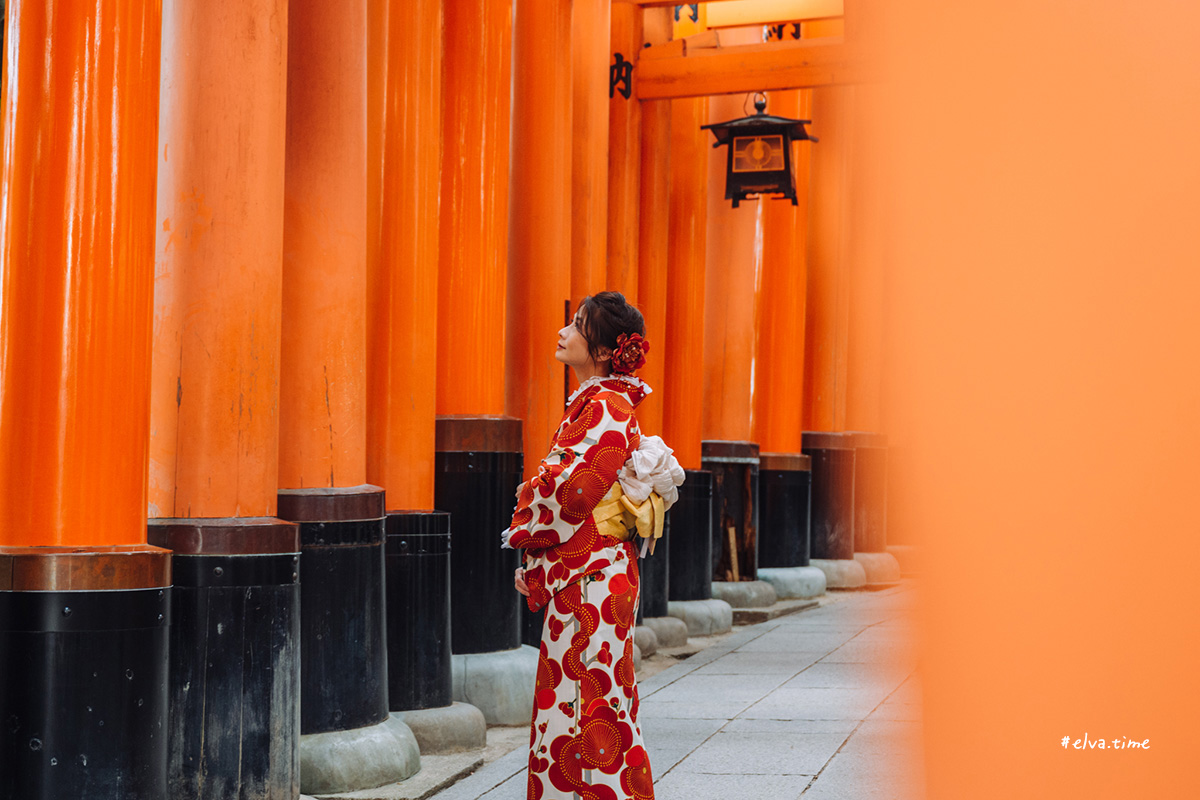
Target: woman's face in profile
[572, 347]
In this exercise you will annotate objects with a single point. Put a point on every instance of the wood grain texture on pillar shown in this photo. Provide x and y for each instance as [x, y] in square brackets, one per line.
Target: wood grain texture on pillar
[217, 295]
[404, 178]
[80, 123]
[473, 248]
[540, 233]
[322, 396]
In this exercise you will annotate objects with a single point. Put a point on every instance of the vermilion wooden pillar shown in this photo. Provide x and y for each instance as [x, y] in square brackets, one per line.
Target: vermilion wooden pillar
[322, 375]
[404, 144]
[214, 449]
[539, 244]
[653, 222]
[732, 261]
[83, 601]
[624, 156]
[589, 42]
[683, 352]
[76, 276]
[474, 230]
[214, 462]
[827, 323]
[779, 352]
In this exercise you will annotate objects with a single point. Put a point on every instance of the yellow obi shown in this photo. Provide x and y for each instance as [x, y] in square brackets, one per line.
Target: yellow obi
[619, 517]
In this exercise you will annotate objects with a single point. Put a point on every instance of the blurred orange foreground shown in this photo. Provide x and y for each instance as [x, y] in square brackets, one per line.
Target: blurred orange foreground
[1043, 331]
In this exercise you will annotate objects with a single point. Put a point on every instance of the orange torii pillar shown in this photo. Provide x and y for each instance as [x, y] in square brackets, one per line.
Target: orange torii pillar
[544, 283]
[404, 94]
[83, 600]
[826, 342]
[732, 260]
[478, 449]
[589, 104]
[349, 741]
[235, 709]
[683, 355]
[785, 473]
[624, 153]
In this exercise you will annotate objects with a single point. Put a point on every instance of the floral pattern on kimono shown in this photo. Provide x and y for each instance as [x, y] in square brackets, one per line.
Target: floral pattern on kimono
[585, 740]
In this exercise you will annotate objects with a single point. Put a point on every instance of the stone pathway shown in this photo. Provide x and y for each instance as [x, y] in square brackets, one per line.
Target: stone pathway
[823, 704]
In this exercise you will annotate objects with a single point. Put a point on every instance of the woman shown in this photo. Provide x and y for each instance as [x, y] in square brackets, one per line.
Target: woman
[584, 738]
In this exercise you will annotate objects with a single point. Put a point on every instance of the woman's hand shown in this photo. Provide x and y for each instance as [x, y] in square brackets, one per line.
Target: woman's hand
[519, 582]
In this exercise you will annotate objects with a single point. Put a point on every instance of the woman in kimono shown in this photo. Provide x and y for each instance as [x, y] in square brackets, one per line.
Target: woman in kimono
[573, 523]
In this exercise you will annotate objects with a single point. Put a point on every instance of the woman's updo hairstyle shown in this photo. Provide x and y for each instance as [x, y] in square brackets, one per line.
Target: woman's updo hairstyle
[607, 316]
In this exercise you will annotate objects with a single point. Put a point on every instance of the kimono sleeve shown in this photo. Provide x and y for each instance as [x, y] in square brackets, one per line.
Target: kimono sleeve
[576, 474]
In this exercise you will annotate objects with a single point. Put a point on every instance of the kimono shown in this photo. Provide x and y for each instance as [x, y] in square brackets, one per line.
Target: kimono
[585, 740]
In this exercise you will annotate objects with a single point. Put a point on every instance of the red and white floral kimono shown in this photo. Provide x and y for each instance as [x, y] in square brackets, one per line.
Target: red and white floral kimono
[585, 741]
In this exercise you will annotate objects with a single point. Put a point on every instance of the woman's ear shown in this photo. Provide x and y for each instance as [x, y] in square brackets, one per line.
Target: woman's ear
[603, 354]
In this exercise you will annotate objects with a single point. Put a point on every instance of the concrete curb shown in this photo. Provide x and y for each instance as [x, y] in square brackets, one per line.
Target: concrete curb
[842, 573]
[646, 640]
[499, 684]
[909, 558]
[793, 583]
[703, 617]
[745, 594]
[753, 616]
[671, 632]
[882, 569]
[448, 729]
[360, 758]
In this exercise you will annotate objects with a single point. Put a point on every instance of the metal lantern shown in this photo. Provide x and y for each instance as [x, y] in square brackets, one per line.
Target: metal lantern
[760, 153]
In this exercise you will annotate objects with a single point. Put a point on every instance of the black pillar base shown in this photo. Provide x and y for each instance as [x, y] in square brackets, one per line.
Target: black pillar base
[235, 666]
[734, 467]
[418, 610]
[83, 673]
[477, 470]
[690, 566]
[784, 495]
[343, 657]
[832, 529]
[654, 571]
[870, 492]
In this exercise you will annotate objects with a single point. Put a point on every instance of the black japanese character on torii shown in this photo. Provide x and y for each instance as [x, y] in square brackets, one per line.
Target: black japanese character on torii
[621, 72]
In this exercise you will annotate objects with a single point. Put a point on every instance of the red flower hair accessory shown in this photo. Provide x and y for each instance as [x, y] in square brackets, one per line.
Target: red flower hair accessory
[630, 354]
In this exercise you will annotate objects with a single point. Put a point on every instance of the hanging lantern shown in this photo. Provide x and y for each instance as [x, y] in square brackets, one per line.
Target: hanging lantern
[760, 153]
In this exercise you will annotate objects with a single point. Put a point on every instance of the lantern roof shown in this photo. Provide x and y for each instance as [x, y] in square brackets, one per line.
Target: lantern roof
[755, 123]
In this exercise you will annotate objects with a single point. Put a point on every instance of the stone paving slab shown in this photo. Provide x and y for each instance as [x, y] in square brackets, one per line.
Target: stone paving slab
[817, 706]
[763, 753]
[739, 663]
[678, 785]
[753, 616]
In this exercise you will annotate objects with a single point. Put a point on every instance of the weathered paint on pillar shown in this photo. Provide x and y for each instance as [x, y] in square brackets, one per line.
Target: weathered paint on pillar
[624, 154]
[405, 86]
[653, 220]
[540, 238]
[732, 259]
[683, 384]
[322, 413]
[215, 389]
[80, 105]
[473, 250]
[827, 323]
[589, 147]
[782, 292]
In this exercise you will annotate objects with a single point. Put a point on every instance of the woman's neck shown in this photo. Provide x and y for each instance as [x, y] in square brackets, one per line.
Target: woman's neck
[589, 370]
